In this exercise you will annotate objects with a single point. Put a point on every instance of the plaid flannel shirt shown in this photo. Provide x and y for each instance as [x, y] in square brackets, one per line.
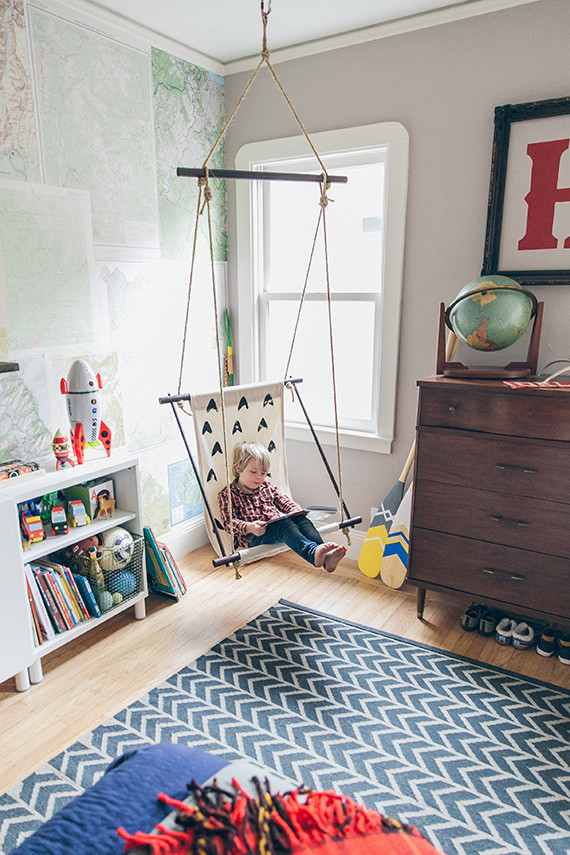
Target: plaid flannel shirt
[265, 503]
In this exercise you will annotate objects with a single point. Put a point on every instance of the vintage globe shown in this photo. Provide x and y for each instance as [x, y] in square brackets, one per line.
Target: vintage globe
[491, 313]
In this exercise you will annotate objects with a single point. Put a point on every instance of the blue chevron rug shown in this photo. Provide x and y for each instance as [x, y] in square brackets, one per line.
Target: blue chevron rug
[475, 757]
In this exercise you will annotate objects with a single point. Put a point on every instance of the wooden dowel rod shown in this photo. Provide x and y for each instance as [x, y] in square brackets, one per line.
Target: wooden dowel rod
[189, 172]
[173, 399]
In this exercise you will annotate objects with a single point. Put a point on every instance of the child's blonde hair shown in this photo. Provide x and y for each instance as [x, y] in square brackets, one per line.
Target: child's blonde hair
[244, 452]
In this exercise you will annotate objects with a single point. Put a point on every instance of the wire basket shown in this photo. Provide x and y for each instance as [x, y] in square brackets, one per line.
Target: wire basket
[118, 581]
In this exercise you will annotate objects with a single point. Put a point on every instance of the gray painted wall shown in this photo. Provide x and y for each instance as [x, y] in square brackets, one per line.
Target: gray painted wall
[442, 84]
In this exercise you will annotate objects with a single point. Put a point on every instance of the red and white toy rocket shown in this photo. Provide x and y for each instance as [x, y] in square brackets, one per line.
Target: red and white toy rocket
[84, 409]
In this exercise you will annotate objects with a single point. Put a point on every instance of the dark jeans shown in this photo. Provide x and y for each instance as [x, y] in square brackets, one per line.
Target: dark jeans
[298, 533]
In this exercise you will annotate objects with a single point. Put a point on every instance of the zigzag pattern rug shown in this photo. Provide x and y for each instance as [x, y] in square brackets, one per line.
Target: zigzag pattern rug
[475, 757]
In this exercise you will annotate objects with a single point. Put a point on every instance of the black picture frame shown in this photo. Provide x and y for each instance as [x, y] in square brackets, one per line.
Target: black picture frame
[504, 118]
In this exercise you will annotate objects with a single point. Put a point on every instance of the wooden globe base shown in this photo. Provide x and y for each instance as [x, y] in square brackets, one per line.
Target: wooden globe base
[512, 371]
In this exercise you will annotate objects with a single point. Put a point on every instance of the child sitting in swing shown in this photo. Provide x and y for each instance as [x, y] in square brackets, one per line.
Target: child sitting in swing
[255, 501]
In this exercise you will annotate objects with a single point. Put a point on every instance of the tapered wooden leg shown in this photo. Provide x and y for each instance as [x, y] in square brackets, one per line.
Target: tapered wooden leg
[421, 602]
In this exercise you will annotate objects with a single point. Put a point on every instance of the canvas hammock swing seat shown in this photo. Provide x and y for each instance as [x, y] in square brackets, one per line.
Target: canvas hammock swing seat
[253, 413]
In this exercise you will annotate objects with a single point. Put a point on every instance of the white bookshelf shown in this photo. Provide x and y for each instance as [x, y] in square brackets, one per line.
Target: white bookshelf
[19, 656]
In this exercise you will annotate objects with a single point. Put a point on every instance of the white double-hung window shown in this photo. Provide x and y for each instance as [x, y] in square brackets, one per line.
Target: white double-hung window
[365, 222]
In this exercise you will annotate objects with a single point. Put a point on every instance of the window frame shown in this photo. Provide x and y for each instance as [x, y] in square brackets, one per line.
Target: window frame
[391, 138]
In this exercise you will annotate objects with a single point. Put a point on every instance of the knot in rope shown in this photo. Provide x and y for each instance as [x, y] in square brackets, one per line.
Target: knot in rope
[205, 190]
[324, 198]
[264, 48]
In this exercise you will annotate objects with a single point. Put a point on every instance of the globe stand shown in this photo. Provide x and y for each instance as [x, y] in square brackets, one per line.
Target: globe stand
[511, 371]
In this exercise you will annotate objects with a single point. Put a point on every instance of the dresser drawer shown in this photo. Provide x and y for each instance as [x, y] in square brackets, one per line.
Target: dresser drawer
[504, 411]
[520, 579]
[502, 464]
[495, 517]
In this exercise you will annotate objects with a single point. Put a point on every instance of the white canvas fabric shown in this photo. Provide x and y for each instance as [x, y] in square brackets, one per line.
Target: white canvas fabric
[253, 414]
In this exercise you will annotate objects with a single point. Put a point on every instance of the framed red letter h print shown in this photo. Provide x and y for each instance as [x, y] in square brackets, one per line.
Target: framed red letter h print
[528, 219]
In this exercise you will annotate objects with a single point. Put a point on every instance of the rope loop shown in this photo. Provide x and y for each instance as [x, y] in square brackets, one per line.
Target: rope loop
[204, 185]
[325, 186]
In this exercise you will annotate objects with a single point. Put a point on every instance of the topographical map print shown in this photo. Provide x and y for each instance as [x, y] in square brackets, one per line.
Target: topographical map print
[46, 280]
[95, 117]
[19, 159]
[188, 116]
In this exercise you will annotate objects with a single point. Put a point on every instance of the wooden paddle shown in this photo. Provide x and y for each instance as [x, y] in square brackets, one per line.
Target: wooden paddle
[370, 558]
[372, 550]
[394, 563]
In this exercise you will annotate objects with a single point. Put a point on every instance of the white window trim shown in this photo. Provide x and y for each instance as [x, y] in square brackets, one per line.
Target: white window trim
[258, 155]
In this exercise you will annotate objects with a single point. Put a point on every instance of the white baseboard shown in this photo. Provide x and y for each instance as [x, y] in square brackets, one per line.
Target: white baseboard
[185, 539]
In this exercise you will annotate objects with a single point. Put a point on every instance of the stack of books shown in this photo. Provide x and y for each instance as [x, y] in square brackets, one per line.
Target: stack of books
[163, 574]
[59, 599]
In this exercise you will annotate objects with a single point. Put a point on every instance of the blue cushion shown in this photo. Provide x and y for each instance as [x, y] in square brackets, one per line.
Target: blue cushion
[126, 795]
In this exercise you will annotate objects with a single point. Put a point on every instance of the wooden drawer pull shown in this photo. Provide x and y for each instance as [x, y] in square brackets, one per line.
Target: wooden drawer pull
[507, 521]
[508, 467]
[503, 574]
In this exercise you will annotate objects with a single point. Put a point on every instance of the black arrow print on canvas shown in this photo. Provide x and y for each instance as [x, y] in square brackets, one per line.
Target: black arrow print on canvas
[267, 400]
[211, 405]
[262, 424]
[243, 403]
[211, 474]
[236, 428]
[271, 446]
[217, 449]
[206, 428]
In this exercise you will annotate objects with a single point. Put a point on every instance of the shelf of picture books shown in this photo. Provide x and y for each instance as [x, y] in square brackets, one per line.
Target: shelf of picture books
[73, 556]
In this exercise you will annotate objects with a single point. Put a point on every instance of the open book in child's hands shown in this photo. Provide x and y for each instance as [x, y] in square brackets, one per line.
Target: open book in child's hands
[285, 516]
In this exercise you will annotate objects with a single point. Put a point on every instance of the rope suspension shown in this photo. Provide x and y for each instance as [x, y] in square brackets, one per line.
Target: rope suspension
[204, 200]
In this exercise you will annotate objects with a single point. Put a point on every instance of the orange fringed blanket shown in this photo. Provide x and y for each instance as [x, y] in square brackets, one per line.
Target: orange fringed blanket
[295, 823]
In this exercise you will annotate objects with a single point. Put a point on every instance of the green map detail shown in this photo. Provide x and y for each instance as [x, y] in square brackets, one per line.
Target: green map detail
[23, 432]
[45, 244]
[19, 158]
[156, 506]
[188, 116]
[95, 117]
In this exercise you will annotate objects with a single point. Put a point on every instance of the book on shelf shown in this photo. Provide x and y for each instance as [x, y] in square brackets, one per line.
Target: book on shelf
[77, 610]
[51, 605]
[161, 579]
[36, 630]
[76, 593]
[59, 595]
[172, 566]
[87, 595]
[46, 626]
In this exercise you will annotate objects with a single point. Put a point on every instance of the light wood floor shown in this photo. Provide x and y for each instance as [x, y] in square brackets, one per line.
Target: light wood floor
[98, 674]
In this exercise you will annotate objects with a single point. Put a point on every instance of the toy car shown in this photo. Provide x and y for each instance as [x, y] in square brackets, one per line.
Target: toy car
[77, 514]
[59, 521]
[32, 528]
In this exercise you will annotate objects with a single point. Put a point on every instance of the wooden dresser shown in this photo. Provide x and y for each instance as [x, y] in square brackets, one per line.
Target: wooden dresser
[491, 508]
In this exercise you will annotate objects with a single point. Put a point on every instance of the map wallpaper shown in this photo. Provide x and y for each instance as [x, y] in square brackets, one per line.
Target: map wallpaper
[95, 238]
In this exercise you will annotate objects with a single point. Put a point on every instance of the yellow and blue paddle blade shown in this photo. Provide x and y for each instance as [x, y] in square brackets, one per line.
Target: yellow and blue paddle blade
[372, 549]
[394, 564]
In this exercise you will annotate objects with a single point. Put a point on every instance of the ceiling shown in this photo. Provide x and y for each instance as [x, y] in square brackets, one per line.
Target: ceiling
[230, 30]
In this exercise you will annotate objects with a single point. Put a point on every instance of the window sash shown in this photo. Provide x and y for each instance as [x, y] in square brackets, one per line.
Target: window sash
[388, 141]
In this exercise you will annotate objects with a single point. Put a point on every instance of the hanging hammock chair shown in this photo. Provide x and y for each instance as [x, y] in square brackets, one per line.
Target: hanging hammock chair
[254, 413]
